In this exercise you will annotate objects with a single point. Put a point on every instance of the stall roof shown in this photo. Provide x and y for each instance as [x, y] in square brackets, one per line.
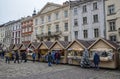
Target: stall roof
[25, 46]
[84, 44]
[63, 44]
[108, 42]
[47, 44]
[11, 46]
[36, 44]
[16, 47]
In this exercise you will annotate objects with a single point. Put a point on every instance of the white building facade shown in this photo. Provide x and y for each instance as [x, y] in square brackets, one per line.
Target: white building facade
[87, 19]
[16, 32]
[52, 23]
[2, 33]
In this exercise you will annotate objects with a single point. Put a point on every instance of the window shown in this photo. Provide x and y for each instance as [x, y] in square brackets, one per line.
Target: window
[84, 20]
[112, 25]
[76, 34]
[57, 28]
[30, 28]
[95, 18]
[42, 20]
[13, 34]
[75, 11]
[57, 15]
[111, 9]
[65, 13]
[85, 33]
[75, 22]
[49, 28]
[84, 8]
[96, 33]
[66, 26]
[95, 6]
[19, 34]
[65, 38]
[36, 21]
[113, 38]
[49, 18]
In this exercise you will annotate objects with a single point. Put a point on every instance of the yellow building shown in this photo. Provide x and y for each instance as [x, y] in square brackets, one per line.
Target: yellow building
[52, 23]
[112, 8]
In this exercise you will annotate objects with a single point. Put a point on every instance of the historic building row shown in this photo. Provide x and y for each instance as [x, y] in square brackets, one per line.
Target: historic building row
[76, 19]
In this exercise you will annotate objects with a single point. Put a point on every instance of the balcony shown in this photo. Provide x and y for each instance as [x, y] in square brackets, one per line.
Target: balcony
[49, 34]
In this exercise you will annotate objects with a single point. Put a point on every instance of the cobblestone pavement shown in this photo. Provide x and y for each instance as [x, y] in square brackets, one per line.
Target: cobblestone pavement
[38, 70]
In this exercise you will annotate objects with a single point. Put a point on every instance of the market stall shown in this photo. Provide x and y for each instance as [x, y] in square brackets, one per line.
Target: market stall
[43, 49]
[75, 51]
[107, 50]
[24, 48]
[33, 48]
[60, 46]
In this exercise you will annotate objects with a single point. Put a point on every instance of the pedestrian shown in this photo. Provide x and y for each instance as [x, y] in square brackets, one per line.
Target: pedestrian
[39, 56]
[53, 57]
[23, 57]
[16, 57]
[7, 57]
[96, 61]
[49, 59]
[57, 57]
[33, 56]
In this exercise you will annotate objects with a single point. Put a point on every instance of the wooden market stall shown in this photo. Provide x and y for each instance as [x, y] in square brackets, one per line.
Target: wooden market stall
[107, 50]
[75, 51]
[24, 47]
[43, 49]
[33, 47]
[61, 47]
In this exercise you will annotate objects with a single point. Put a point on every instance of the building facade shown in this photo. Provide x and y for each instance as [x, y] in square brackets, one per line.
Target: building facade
[52, 23]
[112, 8]
[2, 33]
[27, 29]
[87, 19]
[8, 33]
[16, 32]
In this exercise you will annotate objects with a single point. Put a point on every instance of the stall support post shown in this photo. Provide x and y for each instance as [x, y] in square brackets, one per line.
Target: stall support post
[119, 60]
[65, 56]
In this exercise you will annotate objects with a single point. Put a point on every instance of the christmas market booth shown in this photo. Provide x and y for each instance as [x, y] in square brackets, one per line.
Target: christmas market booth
[108, 52]
[75, 51]
[24, 48]
[33, 48]
[60, 47]
[43, 49]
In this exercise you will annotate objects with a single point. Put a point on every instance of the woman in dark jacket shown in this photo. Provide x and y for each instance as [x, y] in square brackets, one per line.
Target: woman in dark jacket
[49, 59]
[96, 60]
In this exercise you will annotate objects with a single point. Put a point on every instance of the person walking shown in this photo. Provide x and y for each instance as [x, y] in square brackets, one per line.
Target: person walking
[33, 56]
[57, 57]
[7, 57]
[23, 57]
[16, 57]
[96, 60]
[39, 56]
[49, 59]
[53, 57]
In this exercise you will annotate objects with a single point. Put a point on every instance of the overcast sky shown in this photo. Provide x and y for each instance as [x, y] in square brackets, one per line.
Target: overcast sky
[15, 9]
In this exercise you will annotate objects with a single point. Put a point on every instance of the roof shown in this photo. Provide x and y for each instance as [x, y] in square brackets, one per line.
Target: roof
[36, 44]
[110, 43]
[83, 43]
[64, 43]
[48, 43]
[11, 46]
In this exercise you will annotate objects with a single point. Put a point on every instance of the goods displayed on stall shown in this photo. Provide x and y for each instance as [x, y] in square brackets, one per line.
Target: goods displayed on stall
[44, 48]
[75, 51]
[108, 52]
[60, 46]
[85, 62]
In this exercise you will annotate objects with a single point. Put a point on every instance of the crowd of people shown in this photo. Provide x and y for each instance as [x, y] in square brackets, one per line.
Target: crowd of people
[52, 57]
